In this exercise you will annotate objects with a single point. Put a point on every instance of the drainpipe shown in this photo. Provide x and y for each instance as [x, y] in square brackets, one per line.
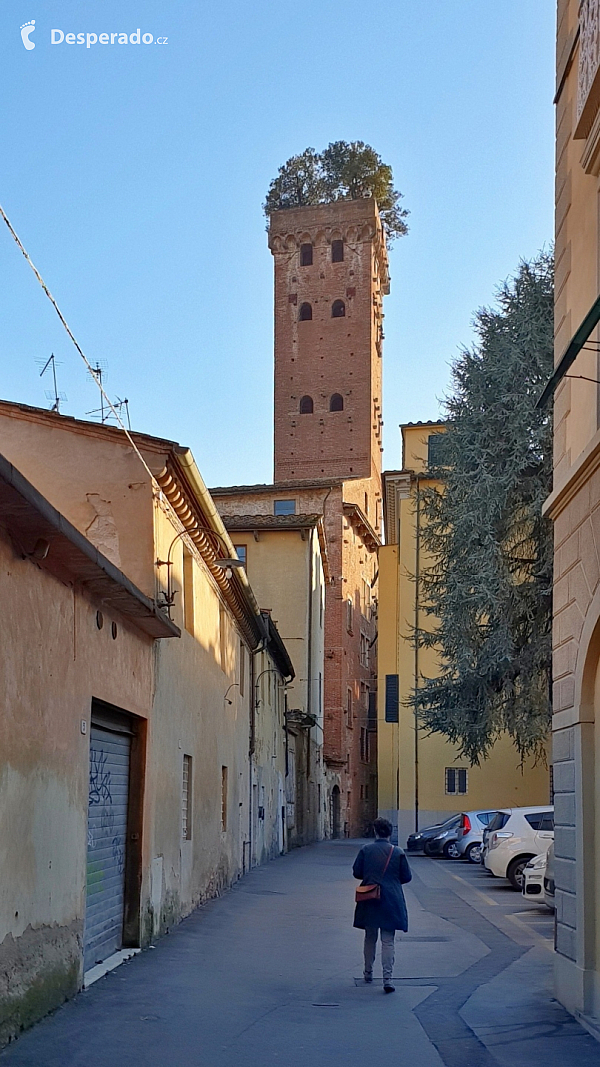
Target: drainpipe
[252, 743]
[309, 700]
[416, 661]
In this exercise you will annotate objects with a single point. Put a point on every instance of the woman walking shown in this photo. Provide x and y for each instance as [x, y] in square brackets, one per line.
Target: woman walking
[381, 907]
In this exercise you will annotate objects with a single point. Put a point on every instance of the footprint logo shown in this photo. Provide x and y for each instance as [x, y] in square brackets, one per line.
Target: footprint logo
[26, 31]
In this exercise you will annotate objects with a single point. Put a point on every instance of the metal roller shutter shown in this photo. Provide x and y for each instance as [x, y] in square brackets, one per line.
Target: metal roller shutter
[107, 836]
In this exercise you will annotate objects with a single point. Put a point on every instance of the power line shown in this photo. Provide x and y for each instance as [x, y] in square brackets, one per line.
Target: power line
[96, 376]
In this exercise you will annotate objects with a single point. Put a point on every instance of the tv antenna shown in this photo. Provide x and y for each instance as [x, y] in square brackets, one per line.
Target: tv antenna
[99, 372]
[54, 395]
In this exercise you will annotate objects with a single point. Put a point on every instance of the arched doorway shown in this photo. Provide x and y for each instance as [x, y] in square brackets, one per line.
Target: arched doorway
[335, 811]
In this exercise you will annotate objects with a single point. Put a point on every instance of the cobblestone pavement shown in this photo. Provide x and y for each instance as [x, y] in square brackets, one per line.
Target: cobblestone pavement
[271, 974]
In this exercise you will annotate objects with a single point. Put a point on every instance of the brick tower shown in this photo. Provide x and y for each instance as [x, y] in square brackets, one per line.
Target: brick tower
[331, 273]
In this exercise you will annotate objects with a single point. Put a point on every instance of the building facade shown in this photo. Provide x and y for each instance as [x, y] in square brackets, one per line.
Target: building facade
[142, 692]
[574, 506]
[350, 629]
[422, 778]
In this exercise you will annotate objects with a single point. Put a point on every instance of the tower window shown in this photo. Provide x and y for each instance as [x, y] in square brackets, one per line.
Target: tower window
[306, 405]
[305, 313]
[306, 252]
[337, 402]
[337, 251]
[338, 309]
[284, 507]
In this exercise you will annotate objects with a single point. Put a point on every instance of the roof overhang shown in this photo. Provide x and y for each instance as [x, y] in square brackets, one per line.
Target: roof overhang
[39, 532]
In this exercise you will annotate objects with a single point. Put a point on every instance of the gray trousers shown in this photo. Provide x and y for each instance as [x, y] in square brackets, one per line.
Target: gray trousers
[387, 950]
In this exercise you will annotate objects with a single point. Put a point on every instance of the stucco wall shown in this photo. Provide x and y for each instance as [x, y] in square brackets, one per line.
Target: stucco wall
[54, 659]
[574, 505]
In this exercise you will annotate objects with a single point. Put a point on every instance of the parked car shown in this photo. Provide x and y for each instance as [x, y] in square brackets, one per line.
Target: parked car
[515, 836]
[444, 843]
[533, 877]
[549, 879]
[470, 834]
[416, 841]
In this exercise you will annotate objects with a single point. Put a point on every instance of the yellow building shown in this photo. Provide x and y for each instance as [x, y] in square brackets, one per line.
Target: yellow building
[286, 562]
[422, 779]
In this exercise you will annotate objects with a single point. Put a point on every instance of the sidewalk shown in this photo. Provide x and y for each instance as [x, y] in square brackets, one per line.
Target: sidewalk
[270, 974]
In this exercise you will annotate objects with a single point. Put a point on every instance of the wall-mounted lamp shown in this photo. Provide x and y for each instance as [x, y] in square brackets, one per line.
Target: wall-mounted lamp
[226, 564]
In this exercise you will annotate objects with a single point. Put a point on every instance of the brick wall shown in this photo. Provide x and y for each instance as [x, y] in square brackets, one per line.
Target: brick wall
[327, 355]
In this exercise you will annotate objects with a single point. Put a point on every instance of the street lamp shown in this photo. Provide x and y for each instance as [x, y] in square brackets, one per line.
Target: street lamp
[227, 564]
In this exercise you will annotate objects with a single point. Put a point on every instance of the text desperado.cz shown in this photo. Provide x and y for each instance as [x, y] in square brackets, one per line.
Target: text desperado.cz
[89, 39]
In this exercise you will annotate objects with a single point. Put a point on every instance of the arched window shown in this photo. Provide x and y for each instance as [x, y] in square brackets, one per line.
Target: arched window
[337, 251]
[305, 312]
[306, 255]
[337, 402]
[306, 405]
[338, 309]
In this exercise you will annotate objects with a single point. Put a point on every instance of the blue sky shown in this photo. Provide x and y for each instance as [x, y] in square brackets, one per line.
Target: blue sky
[135, 176]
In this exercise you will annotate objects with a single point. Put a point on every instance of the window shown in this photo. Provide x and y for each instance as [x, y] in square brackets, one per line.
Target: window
[224, 776]
[541, 820]
[364, 744]
[305, 313]
[338, 309]
[284, 507]
[242, 668]
[241, 552]
[188, 590]
[434, 451]
[498, 820]
[186, 799]
[371, 711]
[365, 600]
[223, 636]
[306, 405]
[364, 650]
[337, 402]
[485, 817]
[349, 615]
[349, 708]
[306, 255]
[337, 251]
[392, 697]
[456, 780]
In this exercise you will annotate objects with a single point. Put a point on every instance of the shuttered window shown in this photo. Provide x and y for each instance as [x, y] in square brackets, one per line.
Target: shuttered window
[392, 697]
[186, 799]
[456, 780]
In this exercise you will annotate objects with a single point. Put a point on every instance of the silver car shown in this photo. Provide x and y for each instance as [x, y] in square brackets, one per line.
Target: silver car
[470, 834]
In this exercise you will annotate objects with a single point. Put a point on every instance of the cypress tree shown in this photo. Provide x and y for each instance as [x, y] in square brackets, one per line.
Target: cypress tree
[487, 588]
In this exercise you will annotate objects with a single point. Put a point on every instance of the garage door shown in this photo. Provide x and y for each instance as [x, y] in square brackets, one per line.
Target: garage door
[107, 834]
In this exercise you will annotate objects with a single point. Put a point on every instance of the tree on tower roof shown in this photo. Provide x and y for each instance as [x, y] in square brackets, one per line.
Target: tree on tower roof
[343, 171]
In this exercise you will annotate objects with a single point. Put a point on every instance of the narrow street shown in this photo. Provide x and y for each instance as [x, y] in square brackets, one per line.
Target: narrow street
[271, 973]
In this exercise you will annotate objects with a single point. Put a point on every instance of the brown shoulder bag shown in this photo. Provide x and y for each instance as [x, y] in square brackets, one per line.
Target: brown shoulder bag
[372, 892]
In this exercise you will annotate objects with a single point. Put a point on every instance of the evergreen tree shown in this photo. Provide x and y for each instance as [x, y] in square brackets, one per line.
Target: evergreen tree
[488, 587]
[344, 171]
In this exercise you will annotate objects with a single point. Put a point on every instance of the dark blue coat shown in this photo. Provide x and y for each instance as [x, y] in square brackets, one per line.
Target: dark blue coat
[388, 913]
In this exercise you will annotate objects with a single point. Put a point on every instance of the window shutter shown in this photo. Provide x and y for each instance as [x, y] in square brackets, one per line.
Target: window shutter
[392, 697]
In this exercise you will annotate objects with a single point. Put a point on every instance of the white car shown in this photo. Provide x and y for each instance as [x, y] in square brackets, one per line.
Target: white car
[516, 836]
[549, 879]
[533, 877]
